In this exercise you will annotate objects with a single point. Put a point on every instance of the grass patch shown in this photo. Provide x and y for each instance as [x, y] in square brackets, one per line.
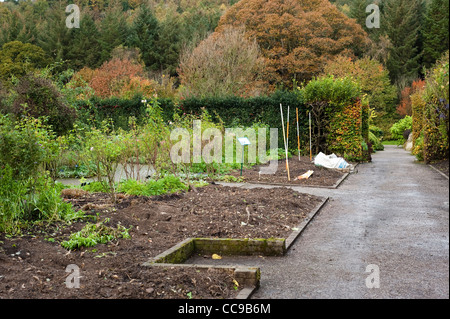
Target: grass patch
[391, 142]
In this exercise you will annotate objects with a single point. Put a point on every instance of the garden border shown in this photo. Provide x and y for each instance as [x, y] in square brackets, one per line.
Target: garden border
[440, 172]
[248, 277]
[334, 186]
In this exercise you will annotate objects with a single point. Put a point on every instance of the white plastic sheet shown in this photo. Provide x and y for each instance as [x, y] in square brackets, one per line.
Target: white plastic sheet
[330, 161]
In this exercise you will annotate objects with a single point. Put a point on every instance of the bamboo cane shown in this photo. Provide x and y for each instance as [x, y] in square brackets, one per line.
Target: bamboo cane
[284, 137]
[287, 146]
[298, 134]
[310, 138]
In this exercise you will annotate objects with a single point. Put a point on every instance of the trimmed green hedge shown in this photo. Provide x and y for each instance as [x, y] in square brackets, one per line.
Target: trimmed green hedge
[339, 95]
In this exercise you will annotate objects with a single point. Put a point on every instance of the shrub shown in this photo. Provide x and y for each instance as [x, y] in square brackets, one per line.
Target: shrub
[400, 127]
[104, 148]
[224, 64]
[37, 96]
[375, 141]
[165, 185]
[26, 146]
[25, 201]
[436, 111]
[93, 234]
[340, 119]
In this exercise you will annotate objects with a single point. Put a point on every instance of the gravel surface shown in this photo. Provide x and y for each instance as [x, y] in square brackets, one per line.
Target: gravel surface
[393, 213]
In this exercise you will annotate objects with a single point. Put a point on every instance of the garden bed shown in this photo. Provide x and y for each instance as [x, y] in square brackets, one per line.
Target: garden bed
[33, 266]
[442, 166]
[322, 177]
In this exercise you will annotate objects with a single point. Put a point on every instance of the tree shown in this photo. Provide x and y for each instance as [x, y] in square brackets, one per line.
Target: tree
[297, 37]
[115, 78]
[38, 96]
[169, 44]
[113, 32]
[17, 26]
[54, 36]
[224, 64]
[373, 78]
[144, 35]
[402, 19]
[405, 106]
[435, 32]
[85, 49]
[17, 59]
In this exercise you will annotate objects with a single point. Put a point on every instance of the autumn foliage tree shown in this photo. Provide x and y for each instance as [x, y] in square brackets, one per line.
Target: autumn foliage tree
[373, 78]
[225, 63]
[117, 77]
[405, 106]
[297, 37]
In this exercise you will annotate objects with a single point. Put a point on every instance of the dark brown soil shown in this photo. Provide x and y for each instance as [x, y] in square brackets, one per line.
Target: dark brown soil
[322, 177]
[34, 267]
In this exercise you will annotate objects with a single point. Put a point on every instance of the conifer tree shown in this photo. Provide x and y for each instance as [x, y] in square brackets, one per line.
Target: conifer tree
[54, 36]
[144, 35]
[85, 48]
[435, 31]
[113, 32]
[401, 21]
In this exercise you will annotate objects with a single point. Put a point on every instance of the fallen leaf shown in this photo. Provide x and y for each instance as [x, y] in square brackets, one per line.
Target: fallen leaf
[215, 256]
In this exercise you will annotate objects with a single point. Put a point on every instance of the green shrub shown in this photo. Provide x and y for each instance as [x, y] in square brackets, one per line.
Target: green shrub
[93, 234]
[400, 127]
[27, 145]
[375, 141]
[38, 96]
[25, 201]
[165, 185]
[96, 187]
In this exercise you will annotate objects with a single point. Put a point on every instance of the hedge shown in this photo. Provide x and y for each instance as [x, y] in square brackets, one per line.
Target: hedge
[343, 128]
[430, 112]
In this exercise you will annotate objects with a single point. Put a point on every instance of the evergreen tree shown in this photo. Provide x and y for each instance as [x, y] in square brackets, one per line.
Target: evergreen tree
[402, 20]
[54, 36]
[435, 31]
[85, 48]
[358, 12]
[169, 44]
[113, 32]
[144, 35]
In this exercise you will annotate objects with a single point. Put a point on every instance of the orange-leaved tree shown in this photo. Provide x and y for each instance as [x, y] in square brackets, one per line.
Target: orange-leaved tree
[297, 37]
[405, 106]
[119, 77]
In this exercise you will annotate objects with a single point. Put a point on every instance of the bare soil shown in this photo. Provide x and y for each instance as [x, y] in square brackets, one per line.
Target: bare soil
[322, 177]
[33, 266]
[442, 166]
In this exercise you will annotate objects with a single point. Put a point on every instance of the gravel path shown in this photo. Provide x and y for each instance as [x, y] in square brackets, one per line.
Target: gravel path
[394, 214]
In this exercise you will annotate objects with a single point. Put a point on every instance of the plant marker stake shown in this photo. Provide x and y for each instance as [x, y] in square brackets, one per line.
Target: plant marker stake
[242, 163]
[298, 135]
[284, 137]
[287, 144]
[310, 137]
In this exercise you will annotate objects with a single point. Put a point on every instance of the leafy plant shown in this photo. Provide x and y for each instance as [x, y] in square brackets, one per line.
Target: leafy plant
[105, 150]
[30, 200]
[400, 127]
[165, 185]
[37, 96]
[93, 234]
